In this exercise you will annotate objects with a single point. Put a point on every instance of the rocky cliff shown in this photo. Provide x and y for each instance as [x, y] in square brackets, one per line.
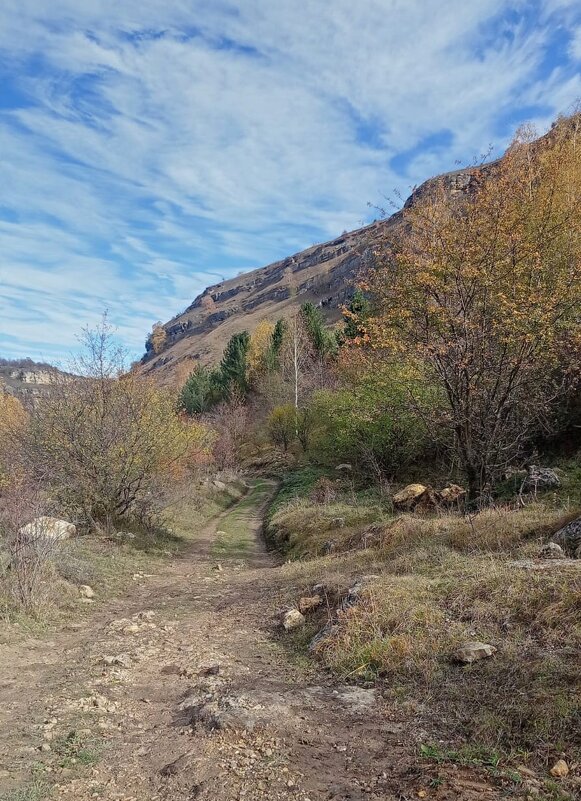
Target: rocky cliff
[26, 378]
[323, 274]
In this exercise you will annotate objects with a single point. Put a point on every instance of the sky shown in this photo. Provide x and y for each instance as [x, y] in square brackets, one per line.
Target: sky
[149, 148]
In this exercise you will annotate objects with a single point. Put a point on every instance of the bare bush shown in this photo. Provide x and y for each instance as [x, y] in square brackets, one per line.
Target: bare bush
[29, 547]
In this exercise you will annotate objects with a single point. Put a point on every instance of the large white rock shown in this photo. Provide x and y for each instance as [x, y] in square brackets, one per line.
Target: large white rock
[50, 528]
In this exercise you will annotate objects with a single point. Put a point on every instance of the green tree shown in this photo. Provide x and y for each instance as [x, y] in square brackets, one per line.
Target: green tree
[324, 342]
[234, 367]
[356, 313]
[276, 343]
[201, 391]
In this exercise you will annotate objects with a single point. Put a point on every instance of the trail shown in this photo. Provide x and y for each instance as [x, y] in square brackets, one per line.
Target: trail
[180, 690]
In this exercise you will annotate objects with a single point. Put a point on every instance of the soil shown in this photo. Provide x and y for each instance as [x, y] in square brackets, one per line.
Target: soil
[184, 689]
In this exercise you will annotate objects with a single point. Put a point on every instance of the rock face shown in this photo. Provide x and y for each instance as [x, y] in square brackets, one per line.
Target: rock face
[27, 379]
[569, 538]
[50, 528]
[322, 274]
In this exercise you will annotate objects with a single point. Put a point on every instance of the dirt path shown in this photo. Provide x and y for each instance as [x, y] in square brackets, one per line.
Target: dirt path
[179, 690]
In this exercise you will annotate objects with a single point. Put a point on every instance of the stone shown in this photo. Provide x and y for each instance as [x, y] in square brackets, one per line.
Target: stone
[338, 522]
[219, 485]
[309, 602]
[540, 478]
[48, 528]
[122, 660]
[569, 538]
[470, 652]
[452, 494]
[409, 496]
[292, 619]
[86, 592]
[560, 769]
[552, 551]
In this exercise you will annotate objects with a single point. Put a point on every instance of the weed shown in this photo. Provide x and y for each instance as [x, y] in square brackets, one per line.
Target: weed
[38, 790]
[77, 749]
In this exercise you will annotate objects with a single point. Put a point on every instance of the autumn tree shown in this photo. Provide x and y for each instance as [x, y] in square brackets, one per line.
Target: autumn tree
[480, 294]
[157, 338]
[107, 442]
[13, 420]
[282, 425]
[259, 352]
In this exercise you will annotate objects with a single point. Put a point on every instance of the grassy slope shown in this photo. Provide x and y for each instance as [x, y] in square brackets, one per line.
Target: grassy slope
[436, 582]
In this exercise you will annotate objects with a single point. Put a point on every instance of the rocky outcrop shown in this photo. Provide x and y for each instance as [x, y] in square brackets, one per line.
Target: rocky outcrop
[324, 274]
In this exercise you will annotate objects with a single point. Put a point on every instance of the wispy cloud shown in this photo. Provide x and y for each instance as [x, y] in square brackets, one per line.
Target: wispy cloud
[149, 148]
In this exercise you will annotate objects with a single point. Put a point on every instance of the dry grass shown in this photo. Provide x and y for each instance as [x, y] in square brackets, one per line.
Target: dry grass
[444, 580]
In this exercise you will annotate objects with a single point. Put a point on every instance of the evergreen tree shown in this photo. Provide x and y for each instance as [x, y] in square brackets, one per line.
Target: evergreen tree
[357, 312]
[323, 341]
[233, 367]
[201, 391]
[276, 343]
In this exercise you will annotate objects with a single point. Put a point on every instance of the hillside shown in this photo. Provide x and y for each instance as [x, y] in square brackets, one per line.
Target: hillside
[323, 274]
[25, 377]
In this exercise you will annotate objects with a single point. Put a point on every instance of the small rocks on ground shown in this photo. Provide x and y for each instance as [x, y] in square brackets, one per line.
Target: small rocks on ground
[121, 660]
[473, 651]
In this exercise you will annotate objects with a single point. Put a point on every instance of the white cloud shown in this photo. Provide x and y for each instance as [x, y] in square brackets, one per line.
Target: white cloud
[167, 142]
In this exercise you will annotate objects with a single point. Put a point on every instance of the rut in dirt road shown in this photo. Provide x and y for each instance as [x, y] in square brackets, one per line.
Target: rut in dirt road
[181, 690]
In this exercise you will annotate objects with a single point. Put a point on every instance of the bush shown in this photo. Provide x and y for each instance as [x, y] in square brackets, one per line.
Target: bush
[106, 443]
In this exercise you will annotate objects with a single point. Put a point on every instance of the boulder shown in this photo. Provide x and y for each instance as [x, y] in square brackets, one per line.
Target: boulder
[292, 619]
[452, 494]
[309, 602]
[86, 592]
[49, 528]
[470, 652]
[338, 522]
[540, 478]
[409, 496]
[569, 538]
[552, 551]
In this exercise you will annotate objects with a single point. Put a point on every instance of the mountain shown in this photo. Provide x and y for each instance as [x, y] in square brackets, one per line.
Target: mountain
[323, 274]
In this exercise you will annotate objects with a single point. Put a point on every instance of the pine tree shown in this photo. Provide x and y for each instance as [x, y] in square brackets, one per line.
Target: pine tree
[233, 367]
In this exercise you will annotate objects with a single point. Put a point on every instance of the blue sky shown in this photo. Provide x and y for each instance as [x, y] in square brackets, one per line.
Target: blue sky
[149, 148]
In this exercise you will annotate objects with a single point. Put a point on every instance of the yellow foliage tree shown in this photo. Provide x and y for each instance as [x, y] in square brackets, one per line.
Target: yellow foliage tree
[158, 337]
[483, 292]
[13, 419]
[257, 358]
